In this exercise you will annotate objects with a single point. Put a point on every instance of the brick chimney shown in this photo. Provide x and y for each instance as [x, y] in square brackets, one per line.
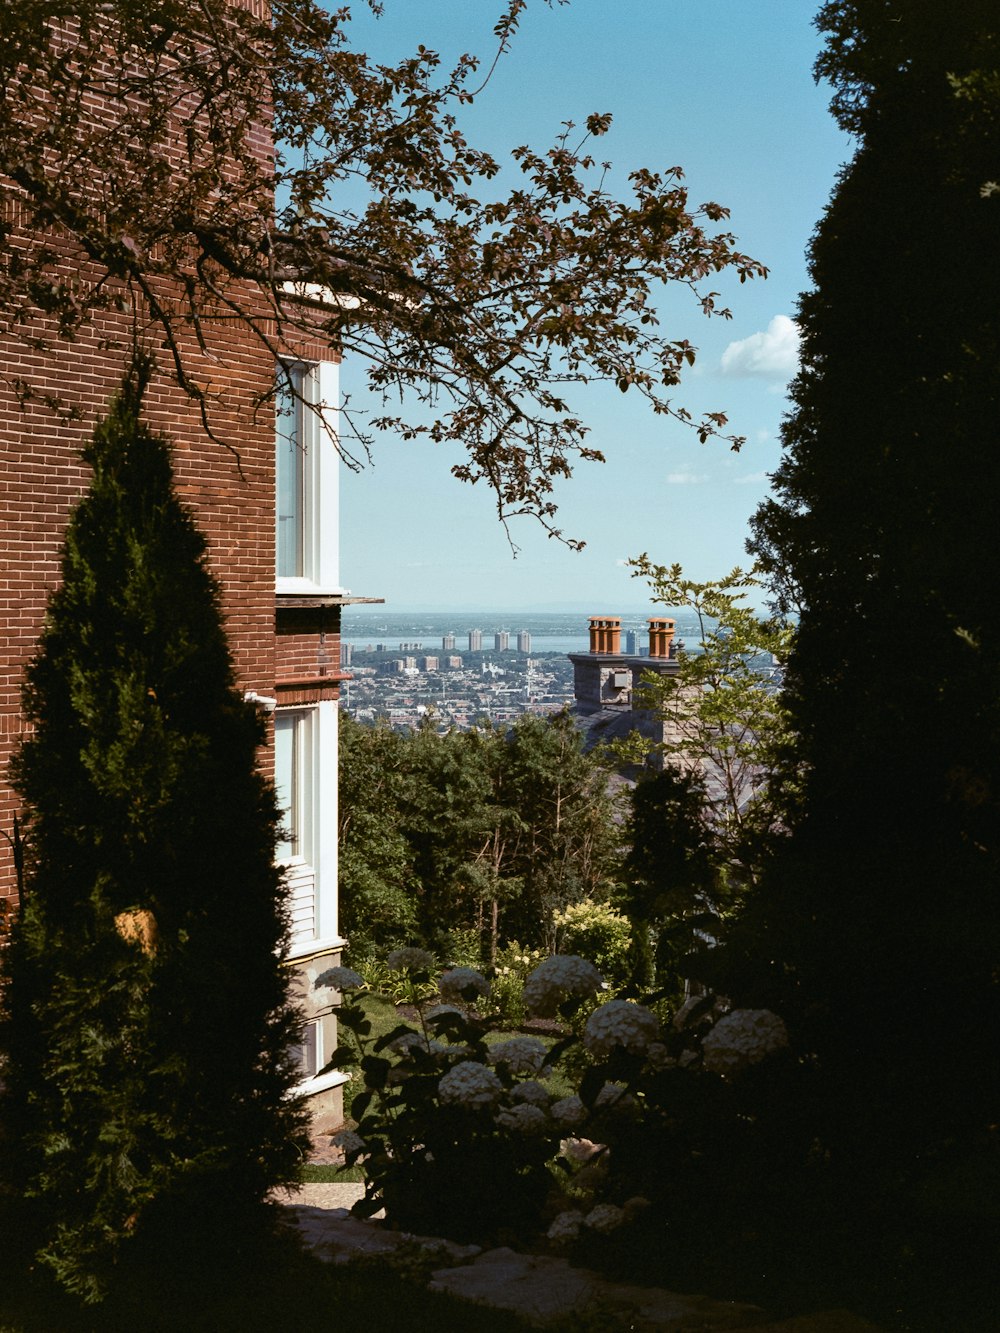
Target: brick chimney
[661, 633]
[606, 634]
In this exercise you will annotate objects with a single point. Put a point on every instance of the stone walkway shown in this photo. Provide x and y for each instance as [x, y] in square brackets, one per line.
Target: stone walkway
[539, 1288]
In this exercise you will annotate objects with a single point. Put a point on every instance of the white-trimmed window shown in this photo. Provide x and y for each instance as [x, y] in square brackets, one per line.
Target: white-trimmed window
[293, 772]
[294, 391]
[306, 477]
[308, 1052]
[305, 777]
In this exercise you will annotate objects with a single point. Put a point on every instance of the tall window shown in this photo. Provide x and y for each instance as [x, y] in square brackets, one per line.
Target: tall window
[293, 431]
[292, 778]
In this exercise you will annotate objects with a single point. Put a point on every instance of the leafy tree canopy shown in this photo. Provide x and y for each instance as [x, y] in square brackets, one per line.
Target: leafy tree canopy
[725, 720]
[134, 135]
[484, 830]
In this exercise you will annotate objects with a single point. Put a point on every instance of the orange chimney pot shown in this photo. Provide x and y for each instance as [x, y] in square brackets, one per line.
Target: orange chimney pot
[606, 634]
[661, 633]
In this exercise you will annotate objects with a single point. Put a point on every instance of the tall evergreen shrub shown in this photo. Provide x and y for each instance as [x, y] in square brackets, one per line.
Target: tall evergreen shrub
[880, 919]
[147, 1025]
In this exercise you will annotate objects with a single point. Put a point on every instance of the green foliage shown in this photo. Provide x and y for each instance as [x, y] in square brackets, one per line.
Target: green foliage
[595, 930]
[671, 1152]
[147, 1026]
[513, 965]
[471, 308]
[880, 918]
[672, 891]
[375, 862]
[725, 720]
[476, 837]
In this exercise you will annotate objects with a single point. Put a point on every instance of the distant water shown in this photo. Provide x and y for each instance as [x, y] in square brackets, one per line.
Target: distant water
[552, 632]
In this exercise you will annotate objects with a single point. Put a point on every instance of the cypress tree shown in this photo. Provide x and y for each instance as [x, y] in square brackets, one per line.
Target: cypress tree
[880, 917]
[147, 1026]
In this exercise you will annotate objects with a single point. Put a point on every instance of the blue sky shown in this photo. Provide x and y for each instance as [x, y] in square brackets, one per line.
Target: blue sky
[724, 89]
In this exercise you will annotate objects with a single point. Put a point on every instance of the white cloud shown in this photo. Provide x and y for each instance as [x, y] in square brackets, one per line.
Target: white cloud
[685, 478]
[750, 477]
[771, 355]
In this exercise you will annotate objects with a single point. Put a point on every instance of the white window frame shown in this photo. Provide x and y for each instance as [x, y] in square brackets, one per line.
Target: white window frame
[298, 813]
[315, 428]
[311, 1027]
[315, 855]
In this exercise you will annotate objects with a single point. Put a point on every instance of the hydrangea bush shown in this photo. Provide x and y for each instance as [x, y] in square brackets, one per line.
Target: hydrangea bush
[469, 1137]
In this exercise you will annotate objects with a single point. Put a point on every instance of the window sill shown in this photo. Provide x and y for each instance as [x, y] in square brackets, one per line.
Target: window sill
[309, 1087]
[304, 951]
[304, 594]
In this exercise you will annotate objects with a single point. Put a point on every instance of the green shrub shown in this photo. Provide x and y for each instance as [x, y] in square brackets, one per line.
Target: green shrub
[513, 966]
[596, 931]
[147, 1031]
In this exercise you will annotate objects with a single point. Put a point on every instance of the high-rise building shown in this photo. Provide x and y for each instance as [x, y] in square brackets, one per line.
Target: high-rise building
[346, 653]
[501, 641]
[632, 642]
[524, 642]
[448, 643]
[475, 640]
[428, 663]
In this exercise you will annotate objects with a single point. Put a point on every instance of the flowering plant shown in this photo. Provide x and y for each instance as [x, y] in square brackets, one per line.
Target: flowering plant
[604, 1169]
[513, 965]
[742, 1038]
[560, 981]
[463, 985]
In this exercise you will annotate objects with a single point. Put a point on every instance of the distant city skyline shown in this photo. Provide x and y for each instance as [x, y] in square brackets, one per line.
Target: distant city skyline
[725, 90]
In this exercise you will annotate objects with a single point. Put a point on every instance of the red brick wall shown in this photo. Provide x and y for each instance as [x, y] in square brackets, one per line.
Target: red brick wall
[229, 485]
[228, 481]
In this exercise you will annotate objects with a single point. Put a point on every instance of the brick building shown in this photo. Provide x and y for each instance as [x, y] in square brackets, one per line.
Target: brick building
[282, 598]
[263, 487]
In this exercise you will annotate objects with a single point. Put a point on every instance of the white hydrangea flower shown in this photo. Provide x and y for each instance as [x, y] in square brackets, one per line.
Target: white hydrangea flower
[566, 1226]
[581, 1150]
[463, 984]
[568, 1112]
[743, 1038]
[470, 1084]
[604, 1217]
[620, 1023]
[531, 1091]
[614, 1097]
[406, 1041]
[557, 978]
[524, 1118]
[410, 959]
[521, 1055]
[340, 978]
[412, 1041]
[349, 1141]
